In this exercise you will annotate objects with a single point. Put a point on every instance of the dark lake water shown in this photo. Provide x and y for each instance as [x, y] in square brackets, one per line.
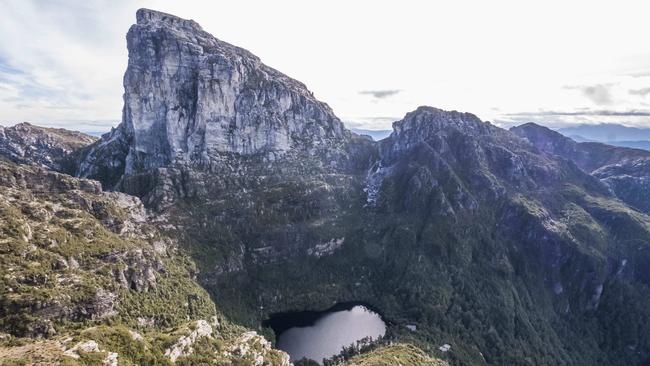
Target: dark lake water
[319, 335]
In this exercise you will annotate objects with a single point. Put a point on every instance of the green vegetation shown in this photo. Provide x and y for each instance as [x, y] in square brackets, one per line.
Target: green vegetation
[84, 279]
[517, 279]
[508, 263]
[398, 354]
[74, 255]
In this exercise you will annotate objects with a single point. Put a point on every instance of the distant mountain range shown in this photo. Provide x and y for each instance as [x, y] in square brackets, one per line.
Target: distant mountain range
[375, 134]
[610, 133]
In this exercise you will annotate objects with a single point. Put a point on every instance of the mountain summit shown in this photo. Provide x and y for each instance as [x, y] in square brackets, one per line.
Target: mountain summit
[189, 97]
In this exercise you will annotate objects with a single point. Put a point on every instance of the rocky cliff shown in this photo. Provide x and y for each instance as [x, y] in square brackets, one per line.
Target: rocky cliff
[190, 98]
[25, 143]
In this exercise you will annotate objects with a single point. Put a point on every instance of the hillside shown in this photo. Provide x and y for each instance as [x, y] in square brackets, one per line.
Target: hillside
[235, 194]
[85, 279]
[399, 354]
[624, 170]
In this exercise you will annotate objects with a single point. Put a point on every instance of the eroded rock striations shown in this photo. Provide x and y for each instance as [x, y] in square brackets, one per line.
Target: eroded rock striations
[190, 98]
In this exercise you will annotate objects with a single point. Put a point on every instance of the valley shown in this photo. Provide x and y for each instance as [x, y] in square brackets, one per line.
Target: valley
[231, 215]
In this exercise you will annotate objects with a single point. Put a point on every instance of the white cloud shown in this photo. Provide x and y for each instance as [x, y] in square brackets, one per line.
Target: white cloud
[57, 62]
[490, 58]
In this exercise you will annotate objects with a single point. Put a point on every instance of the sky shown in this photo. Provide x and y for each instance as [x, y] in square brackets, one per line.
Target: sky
[557, 63]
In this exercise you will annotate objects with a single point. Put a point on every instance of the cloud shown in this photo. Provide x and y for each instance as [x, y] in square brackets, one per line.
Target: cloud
[640, 74]
[642, 92]
[50, 54]
[609, 113]
[380, 94]
[560, 118]
[20, 86]
[599, 94]
[8, 70]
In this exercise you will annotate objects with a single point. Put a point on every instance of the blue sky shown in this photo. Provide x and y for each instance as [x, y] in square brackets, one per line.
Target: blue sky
[553, 62]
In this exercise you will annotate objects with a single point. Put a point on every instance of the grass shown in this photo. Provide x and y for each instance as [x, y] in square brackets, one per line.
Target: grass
[397, 354]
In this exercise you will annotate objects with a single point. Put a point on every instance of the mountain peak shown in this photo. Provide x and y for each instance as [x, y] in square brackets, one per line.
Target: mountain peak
[426, 120]
[535, 133]
[190, 99]
[147, 17]
[439, 113]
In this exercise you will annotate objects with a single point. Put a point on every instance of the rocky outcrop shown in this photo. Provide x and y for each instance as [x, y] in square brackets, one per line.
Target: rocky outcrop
[25, 143]
[73, 253]
[630, 181]
[256, 350]
[190, 98]
[245, 347]
[110, 358]
[184, 345]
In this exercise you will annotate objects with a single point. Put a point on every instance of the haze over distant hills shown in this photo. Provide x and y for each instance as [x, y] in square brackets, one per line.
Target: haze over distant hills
[610, 133]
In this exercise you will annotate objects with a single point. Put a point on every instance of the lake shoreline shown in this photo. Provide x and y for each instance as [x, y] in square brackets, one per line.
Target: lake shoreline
[281, 321]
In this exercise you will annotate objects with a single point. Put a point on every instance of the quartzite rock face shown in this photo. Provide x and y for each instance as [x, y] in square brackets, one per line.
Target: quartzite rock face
[190, 97]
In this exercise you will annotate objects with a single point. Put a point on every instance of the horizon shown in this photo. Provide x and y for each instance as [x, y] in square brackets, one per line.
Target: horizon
[62, 63]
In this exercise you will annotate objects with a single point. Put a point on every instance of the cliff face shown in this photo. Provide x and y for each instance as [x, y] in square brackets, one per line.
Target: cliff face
[190, 98]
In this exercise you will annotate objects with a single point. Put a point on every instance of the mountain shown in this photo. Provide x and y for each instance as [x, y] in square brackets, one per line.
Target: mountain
[87, 280]
[465, 229]
[640, 144]
[94, 277]
[510, 247]
[46, 147]
[637, 144]
[626, 171]
[610, 134]
[607, 132]
[210, 99]
[375, 134]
